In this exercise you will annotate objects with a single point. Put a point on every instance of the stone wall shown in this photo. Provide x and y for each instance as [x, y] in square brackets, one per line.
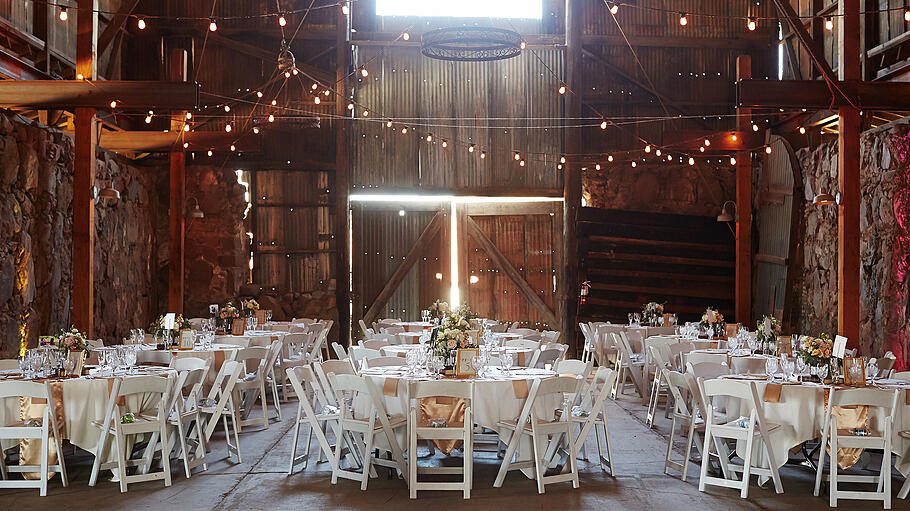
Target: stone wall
[36, 176]
[660, 187]
[885, 243]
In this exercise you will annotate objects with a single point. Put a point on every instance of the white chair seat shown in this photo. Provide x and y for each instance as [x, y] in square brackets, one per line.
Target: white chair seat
[769, 426]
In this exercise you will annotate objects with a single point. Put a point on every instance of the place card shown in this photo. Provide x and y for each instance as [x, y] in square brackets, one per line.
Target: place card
[169, 319]
[187, 339]
[731, 329]
[260, 317]
[840, 346]
[785, 345]
[237, 326]
[855, 371]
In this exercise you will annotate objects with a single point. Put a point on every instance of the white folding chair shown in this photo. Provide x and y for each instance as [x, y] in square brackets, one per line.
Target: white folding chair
[595, 417]
[322, 385]
[251, 386]
[522, 343]
[707, 370]
[113, 428]
[374, 344]
[685, 420]
[658, 385]
[367, 331]
[300, 376]
[754, 431]
[677, 351]
[548, 356]
[628, 363]
[540, 426]
[366, 427]
[42, 428]
[392, 330]
[905, 489]
[219, 404]
[384, 362]
[700, 357]
[589, 346]
[293, 354]
[358, 355]
[185, 412]
[421, 430]
[834, 438]
[549, 336]
[154, 358]
[748, 365]
[339, 351]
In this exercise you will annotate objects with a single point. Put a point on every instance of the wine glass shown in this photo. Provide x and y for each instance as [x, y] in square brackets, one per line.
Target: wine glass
[129, 358]
[801, 367]
[733, 344]
[872, 369]
[752, 341]
[506, 358]
[771, 367]
[787, 364]
[822, 372]
[631, 319]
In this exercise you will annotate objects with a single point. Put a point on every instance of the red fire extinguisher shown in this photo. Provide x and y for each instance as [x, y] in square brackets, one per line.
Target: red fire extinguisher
[583, 296]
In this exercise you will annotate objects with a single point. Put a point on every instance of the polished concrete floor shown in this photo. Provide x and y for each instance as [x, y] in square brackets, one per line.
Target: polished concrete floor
[261, 482]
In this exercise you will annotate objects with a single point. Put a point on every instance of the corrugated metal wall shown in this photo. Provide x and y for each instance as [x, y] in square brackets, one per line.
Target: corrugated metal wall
[774, 207]
[404, 85]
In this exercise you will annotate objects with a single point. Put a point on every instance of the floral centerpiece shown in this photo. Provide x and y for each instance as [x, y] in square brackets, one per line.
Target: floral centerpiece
[226, 316]
[71, 340]
[651, 312]
[816, 351]
[451, 335]
[767, 330]
[439, 309]
[249, 306]
[713, 322]
[157, 327]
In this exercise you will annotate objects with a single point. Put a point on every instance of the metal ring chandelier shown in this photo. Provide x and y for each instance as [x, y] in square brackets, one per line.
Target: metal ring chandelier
[471, 44]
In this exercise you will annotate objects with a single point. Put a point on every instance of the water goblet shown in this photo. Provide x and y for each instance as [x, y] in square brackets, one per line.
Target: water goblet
[801, 367]
[631, 319]
[872, 369]
[787, 365]
[753, 343]
[822, 372]
[506, 358]
[771, 367]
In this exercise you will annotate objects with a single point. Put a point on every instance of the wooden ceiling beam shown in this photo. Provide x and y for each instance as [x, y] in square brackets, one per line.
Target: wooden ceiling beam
[165, 141]
[816, 94]
[159, 95]
[818, 56]
[116, 24]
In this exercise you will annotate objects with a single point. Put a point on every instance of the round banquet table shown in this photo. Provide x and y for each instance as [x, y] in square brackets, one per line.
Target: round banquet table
[800, 412]
[414, 326]
[216, 356]
[253, 337]
[520, 356]
[78, 402]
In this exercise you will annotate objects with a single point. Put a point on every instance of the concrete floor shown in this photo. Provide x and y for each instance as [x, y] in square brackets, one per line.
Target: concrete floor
[261, 482]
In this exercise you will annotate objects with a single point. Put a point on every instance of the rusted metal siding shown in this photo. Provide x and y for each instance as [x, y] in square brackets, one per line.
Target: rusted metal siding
[409, 88]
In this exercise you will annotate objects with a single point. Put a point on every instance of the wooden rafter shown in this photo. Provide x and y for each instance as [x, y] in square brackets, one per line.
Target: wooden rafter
[818, 57]
[99, 94]
[163, 141]
[501, 262]
[817, 95]
[116, 24]
[417, 251]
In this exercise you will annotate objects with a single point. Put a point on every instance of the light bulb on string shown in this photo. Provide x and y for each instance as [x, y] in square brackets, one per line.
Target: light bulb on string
[767, 149]
[274, 102]
[294, 71]
[634, 164]
[483, 155]
[80, 76]
[256, 130]
[388, 124]
[186, 145]
[657, 152]
[350, 106]
[701, 149]
[363, 72]
[683, 18]
[559, 167]
[366, 113]
[114, 104]
[287, 74]
[345, 10]
[233, 147]
[471, 148]
[906, 14]
[517, 156]
[227, 108]
[406, 36]
[404, 130]
[445, 143]
[752, 24]
[648, 148]
[258, 93]
[271, 117]
[691, 160]
[610, 158]
[140, 24]
[562, 159]
[733, 137]
[210, 152]
[325, 92]
[523, 45]
[63, 14]
[562, 89]
[429, 137]
[212, 25]
[282, 21]
[732, 161]
[614, 8]
[316, 100]
[596, 166]
[707, 142]
[754, 127]
[148, 119]
[314, 86]
[228, 128]
[669, 157]
[802, 130]
[186, 127]
[829, 23]
[603, 125]
[521, 163]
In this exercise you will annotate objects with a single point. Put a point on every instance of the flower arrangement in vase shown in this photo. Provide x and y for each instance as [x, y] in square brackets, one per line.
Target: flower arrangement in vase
[712, 322]
[767, 330]
[439, 309]
[157, 328]
[226, 316]
[249, 306]
[816, 351]
[450, 335]
[651, 313]
[73, 347]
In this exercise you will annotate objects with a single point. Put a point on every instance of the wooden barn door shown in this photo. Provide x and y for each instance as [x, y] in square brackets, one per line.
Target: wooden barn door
[509, 260]
[400, 261]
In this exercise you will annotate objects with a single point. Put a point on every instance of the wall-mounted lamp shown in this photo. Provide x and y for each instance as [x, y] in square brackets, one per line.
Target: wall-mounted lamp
[196, 212]
[727, 214]
[826, 199]
[104, 193]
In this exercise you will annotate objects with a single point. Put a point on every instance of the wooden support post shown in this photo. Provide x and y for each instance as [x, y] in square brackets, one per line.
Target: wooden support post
[743, 294]
[83, 299]
[570, 282]
[176, 221]
[848, 178]
[342, 184]
[39, 30]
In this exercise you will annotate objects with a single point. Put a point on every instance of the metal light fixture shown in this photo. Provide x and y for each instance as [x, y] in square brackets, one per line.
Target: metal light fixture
[826, 199]
[727, 215]
[196, 212]
[107, 192]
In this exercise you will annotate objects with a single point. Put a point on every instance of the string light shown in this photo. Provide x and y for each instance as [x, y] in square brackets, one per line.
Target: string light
[603, 125]
[521, 163]
[210, 152]
[345, 10]
[212, 25]
[683, 19]
[562, 159]
[287, 74]
[148, 118]
[634, 164]
[754, 127]
[802, 130]
[707, 142]
[517, 156]
[258, 93]
[445, 143]
[271, 117]
[350, 106]
[233, 147]
[256, 130]
[559, 167]
[562, 89]
[404, 130]
[186, 145]
[657, 152]
[140, 24]
[906, 14]
[596, 166]
[80, 76]
[363, 72]
[429, 137]
[63, 14]
[228, 127]
[314, 86]
[326, 92]
[189, 115]
[471, 148]
[829, 23]
[282, 21]
[114, 104]
[648, 148]
[227, 108]
[523, 45]
[388, 124]
[406, 36]
[669, 157]
[614, 9]
[366, 113]
[691, 160]
[732, 161]
[768, 149]
[701, 149]
[483, 155]
[316, 100]
[186, 127]
[733, 136]
[752, 24]
[274, 102]
[610, 158]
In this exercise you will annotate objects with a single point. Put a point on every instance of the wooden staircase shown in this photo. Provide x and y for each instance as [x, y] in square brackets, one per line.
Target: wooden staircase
[631, 257]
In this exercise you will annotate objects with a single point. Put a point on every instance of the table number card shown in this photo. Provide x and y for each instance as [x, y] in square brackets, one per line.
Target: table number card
[464, 362]
[855, 371]
[731, 329]
[187, 339]
[169, 319]
[840, 346]
[237, 326]
[785, 345]
[260, 317]
[213, 309]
